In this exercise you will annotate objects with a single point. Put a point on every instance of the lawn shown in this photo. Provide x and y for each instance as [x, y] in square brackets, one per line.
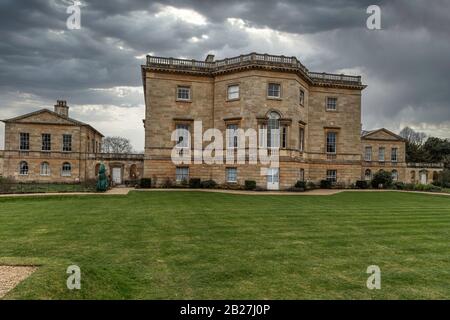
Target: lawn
[195, 245]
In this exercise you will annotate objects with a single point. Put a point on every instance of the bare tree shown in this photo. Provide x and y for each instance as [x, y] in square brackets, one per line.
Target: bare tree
[412, 136]
[117, 145]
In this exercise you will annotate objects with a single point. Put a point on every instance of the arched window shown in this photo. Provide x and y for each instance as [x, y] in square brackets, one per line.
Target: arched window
[394, 175]
[273, 130]
[23, 168]
[368, 174]
[45, 169]
[66, 169]
[133, 172]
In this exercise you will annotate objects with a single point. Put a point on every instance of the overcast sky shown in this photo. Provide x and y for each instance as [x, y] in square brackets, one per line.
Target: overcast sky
[406, 64]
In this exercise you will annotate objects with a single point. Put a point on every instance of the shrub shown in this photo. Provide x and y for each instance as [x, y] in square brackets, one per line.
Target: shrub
[300, 185]
[208, 184]
[399, 186]
[146, 183]
[325, 184]
[250, 185]
[295, 189]
[168, 183]
[310, 185]
[362, 184]
[383, 178]
[195, 183]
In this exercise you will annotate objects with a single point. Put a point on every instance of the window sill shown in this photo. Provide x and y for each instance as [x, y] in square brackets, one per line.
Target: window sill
[233, 100]
[274, 98]
[181, 100]
[330, 110]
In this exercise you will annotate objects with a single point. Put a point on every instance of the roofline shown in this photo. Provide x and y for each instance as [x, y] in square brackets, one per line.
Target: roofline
[81, 124]
[383, 129]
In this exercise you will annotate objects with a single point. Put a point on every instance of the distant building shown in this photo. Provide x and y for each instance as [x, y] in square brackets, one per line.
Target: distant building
[49, 146]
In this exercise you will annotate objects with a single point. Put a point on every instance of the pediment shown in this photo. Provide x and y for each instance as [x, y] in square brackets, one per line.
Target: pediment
[43, 116]
[382, 134]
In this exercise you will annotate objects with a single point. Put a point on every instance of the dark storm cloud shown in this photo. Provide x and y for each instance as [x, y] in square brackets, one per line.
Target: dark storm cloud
[405, 65]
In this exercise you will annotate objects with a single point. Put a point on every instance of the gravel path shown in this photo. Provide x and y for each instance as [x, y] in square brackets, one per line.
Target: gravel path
[11, 276]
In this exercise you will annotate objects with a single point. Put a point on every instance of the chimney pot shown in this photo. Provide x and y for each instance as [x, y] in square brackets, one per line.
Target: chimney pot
[61, 108]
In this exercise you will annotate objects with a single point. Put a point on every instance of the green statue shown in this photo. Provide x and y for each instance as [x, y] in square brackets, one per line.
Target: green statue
[102, 183]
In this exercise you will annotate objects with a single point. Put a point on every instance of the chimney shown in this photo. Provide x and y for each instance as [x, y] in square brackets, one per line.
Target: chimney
[209, 58]
[61, 108]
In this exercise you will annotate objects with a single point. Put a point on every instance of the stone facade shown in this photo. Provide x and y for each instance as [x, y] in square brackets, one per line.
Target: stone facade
[310, 160]
[30, 159]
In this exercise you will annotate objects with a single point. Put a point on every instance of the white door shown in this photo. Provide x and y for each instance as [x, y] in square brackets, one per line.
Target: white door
[423, 178]
[273, 178]
[117, 175]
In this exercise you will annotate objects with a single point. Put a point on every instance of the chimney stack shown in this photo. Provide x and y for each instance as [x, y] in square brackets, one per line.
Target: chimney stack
[209, 58]
[61, 108]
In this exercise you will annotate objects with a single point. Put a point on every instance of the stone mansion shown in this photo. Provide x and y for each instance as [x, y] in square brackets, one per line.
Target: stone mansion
[312, 119]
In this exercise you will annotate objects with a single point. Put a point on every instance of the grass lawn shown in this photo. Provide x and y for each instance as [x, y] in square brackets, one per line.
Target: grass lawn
[195, 245]
[10, 188]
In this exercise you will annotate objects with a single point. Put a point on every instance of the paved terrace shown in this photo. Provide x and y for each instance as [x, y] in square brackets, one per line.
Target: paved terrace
[252, 60]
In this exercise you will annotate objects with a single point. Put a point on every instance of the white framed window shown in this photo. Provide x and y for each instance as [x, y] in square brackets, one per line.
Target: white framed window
[301, 143]
[183, 136]
[331, 104]
[232, 136]
[302, 97]
[381, 153]
[231, 174]
[331, 142]
[24, 141]
[45, 169]
[182, 174]
[274, 90]
[368, 154]
[23, 168]
[262, 139]
[394, 154]
[368, 175]
[66, 170]
[332, 175]
[46, 142]
[233, 92]
[183, 93]
[67, 142]
[394, 175]
[273, 131]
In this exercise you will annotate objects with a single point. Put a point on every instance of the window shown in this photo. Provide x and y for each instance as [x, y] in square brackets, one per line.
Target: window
[284, 137]
[232, 136]
[231, 174]
[67, 142]
[66, 170]
[183, 136]
[262, 139]
[368, 174]
[368, 154]
[45, 169]
[24, 141]
[381, 154]
[182, 174]
[301, 139]
[331, 104]
[93, 146]
[46, 142]
[273, 130]
[331, 142]
[274, 90]
[233, 92]
[302, 97]
[23, 168]
[394, 154]
[331, 175]
[184, 93]
[394, 175]
[302, 175]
